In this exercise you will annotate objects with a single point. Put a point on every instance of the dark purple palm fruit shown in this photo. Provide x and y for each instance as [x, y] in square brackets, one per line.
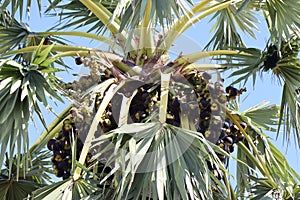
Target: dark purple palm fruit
[232, 92]
[226, 125]
[53, 145]
[59, 135]
[59, 173]
[204, 103]
[78, 60]
[66, 175]
[47, 40]
[243, 125]
[222, 134]
[63, 165]
[239, 135]
[67, 128]
[204, 115]
[272, 57]
[66, 145]
[215, 109]
[79, 144]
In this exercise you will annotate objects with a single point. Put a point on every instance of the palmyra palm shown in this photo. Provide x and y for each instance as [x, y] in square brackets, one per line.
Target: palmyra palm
[141, 122]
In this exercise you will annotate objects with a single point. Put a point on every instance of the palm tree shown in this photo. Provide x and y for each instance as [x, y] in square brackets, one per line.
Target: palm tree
[142, 123]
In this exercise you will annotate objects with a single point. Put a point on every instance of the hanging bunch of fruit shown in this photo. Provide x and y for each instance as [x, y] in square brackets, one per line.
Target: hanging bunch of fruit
[61, 146]
[201, 99]
[192, 93]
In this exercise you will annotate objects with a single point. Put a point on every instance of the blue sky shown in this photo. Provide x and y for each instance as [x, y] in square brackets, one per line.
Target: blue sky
[265, 88]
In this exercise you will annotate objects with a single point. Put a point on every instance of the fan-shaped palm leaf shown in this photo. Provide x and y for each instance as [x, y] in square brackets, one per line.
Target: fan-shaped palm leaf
[154, 153]
[12, 33]
[282, 18]
[66, 189]
[228, 21]
[284, 63]
[18, 187]
[75, 14]
[16, 190]
[21, 88]
[20, 6]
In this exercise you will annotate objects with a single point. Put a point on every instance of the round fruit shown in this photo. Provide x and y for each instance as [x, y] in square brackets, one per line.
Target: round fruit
[204, 103]
[57, 156]
[222, 134]
[228, 140]
[67, 127]
[206, 76]
[66, 175]
[52, 145]
[243, 125]
[240, 137]
[47, 40]
[78, 60]
[59, 135]
[58, 173]
[234, 129]
[67, 145]
[226, 125]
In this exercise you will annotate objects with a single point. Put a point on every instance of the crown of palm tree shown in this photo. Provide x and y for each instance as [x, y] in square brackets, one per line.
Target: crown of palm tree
[146, 119]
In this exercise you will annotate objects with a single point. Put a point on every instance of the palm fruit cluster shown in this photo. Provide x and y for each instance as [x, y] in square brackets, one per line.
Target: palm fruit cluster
[108, 121]
[274, 54]
[93, 74]
[233, 92]
[145, 103]
[230, 135]
[77, 91]
[61, 146]
[210, 98]
[200, 98]
[272, 57]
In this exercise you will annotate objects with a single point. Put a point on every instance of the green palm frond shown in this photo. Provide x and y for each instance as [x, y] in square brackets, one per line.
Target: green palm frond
[40, 168]
[287, 70]
[6, 18]
[248, 59]
[150, 154]
[66, 189]
[282, 17]
[74, 14]
[16, 190]
[16, 35]
[19, 187]
[278, 176]
[258, 118]
[12, 33]
[22, 88]
[284, 63]
[21, 6]
[285, 183]
[228, 23]
[262, 117]
[159, 13]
